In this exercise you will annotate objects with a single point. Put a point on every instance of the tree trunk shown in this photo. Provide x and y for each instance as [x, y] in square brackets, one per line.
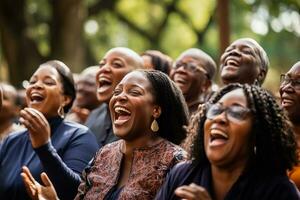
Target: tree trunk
[20, 51]
[66, 33]
[223, 24]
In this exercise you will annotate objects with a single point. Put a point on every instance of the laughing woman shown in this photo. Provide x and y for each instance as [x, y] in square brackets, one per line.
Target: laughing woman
[148, 114]
[49, 144]
[243, 149]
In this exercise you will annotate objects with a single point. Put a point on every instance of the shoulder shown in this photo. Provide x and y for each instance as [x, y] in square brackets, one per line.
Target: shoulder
[70, 127]
[174, 150]
[273, 187]
[285, 188]
[15, 137]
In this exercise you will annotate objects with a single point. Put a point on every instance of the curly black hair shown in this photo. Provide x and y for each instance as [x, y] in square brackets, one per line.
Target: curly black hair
[174, 115]
[273, 136]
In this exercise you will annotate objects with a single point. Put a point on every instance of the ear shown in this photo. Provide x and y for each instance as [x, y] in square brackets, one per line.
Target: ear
[261, 75]
[66, 100]
[156, 111]
[206, 85]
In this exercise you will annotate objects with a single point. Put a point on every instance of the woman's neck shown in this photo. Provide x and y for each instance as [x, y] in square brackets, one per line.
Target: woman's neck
[5, 125]
[224, 178]
[142, 142]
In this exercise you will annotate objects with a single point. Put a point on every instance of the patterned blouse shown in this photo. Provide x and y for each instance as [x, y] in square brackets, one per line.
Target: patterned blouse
[148, 171]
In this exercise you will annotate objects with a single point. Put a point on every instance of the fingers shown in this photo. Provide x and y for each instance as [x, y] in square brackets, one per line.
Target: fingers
[32, 118]
[27, 172]
[192, 192]
[29, 182]
[45, 179]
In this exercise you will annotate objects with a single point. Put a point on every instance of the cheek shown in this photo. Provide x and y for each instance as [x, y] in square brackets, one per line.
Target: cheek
[207, 125]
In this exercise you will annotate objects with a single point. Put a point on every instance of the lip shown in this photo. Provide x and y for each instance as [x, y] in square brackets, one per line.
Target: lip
[104, 84]
[180, 79]
[232, 61]
[218, 137]
[121, 115]
[287, 100]
[36, 97]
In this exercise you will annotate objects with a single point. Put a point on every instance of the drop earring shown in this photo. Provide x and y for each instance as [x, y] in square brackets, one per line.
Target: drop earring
[61, 112]
[154, 126]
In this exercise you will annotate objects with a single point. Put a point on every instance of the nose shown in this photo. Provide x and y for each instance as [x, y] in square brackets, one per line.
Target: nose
[234, 52]
[288, 88]
[104, 68]
[220, 118]
[121, 97]
[37, 85]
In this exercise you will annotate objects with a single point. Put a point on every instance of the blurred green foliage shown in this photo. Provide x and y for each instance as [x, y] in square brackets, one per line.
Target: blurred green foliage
[175, 25]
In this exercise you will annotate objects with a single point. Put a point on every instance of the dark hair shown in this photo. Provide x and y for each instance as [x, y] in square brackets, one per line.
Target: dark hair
[66, 78]
[273, 136]
[168, 96]
[1, 97]
[159, 61]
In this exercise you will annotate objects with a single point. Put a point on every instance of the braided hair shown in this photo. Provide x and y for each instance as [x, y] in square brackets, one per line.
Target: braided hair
[168, 96]
[273, 136]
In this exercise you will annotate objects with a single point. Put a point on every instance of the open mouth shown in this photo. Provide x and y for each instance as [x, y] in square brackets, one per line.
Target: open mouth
[104, 84]
[217, 137]
[231, 62]
[122, 115]
[36, 98]
[287, 102]
[180, 80]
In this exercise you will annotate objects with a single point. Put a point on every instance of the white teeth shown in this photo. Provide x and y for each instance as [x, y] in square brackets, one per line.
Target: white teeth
[104, 80]
[231, 62]
[121, 109]
[215, 132]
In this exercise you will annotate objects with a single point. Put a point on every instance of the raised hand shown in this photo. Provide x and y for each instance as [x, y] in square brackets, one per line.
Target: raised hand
[37, 125]
[35, 190]
[192, 192]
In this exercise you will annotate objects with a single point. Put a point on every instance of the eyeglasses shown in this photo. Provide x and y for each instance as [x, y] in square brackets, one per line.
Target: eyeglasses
[233, 113]
[192, 67]
[286, 79]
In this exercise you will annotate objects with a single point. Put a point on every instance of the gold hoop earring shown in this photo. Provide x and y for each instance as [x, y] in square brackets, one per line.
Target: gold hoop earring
[154, 126]
[61, 112]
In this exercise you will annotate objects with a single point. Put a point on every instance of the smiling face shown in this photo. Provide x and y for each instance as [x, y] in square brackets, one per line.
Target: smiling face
[113, 67]
[132, 107]
[227, 141]
[240, 63]
[191, 83]
[86, 96]
[290, 95]
[45, 92]
[9, 108]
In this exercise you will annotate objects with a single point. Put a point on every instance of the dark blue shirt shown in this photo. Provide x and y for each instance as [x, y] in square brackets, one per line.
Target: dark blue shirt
[99, 122]
[71, 147]
[249, 186]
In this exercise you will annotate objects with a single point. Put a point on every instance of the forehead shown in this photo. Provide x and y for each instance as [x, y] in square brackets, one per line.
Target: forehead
[244, 43]
[191, 58]
[236, 96]
[137, 79]
[295, 70]
[119, 54]
[47, 70]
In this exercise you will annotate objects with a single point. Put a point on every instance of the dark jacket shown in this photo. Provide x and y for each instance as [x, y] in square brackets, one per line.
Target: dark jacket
[71, 148]
[249, 186]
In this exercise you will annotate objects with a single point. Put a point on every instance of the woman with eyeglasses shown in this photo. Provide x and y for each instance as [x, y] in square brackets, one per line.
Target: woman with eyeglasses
[290, 101]
[242, 151]
[193, 73]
